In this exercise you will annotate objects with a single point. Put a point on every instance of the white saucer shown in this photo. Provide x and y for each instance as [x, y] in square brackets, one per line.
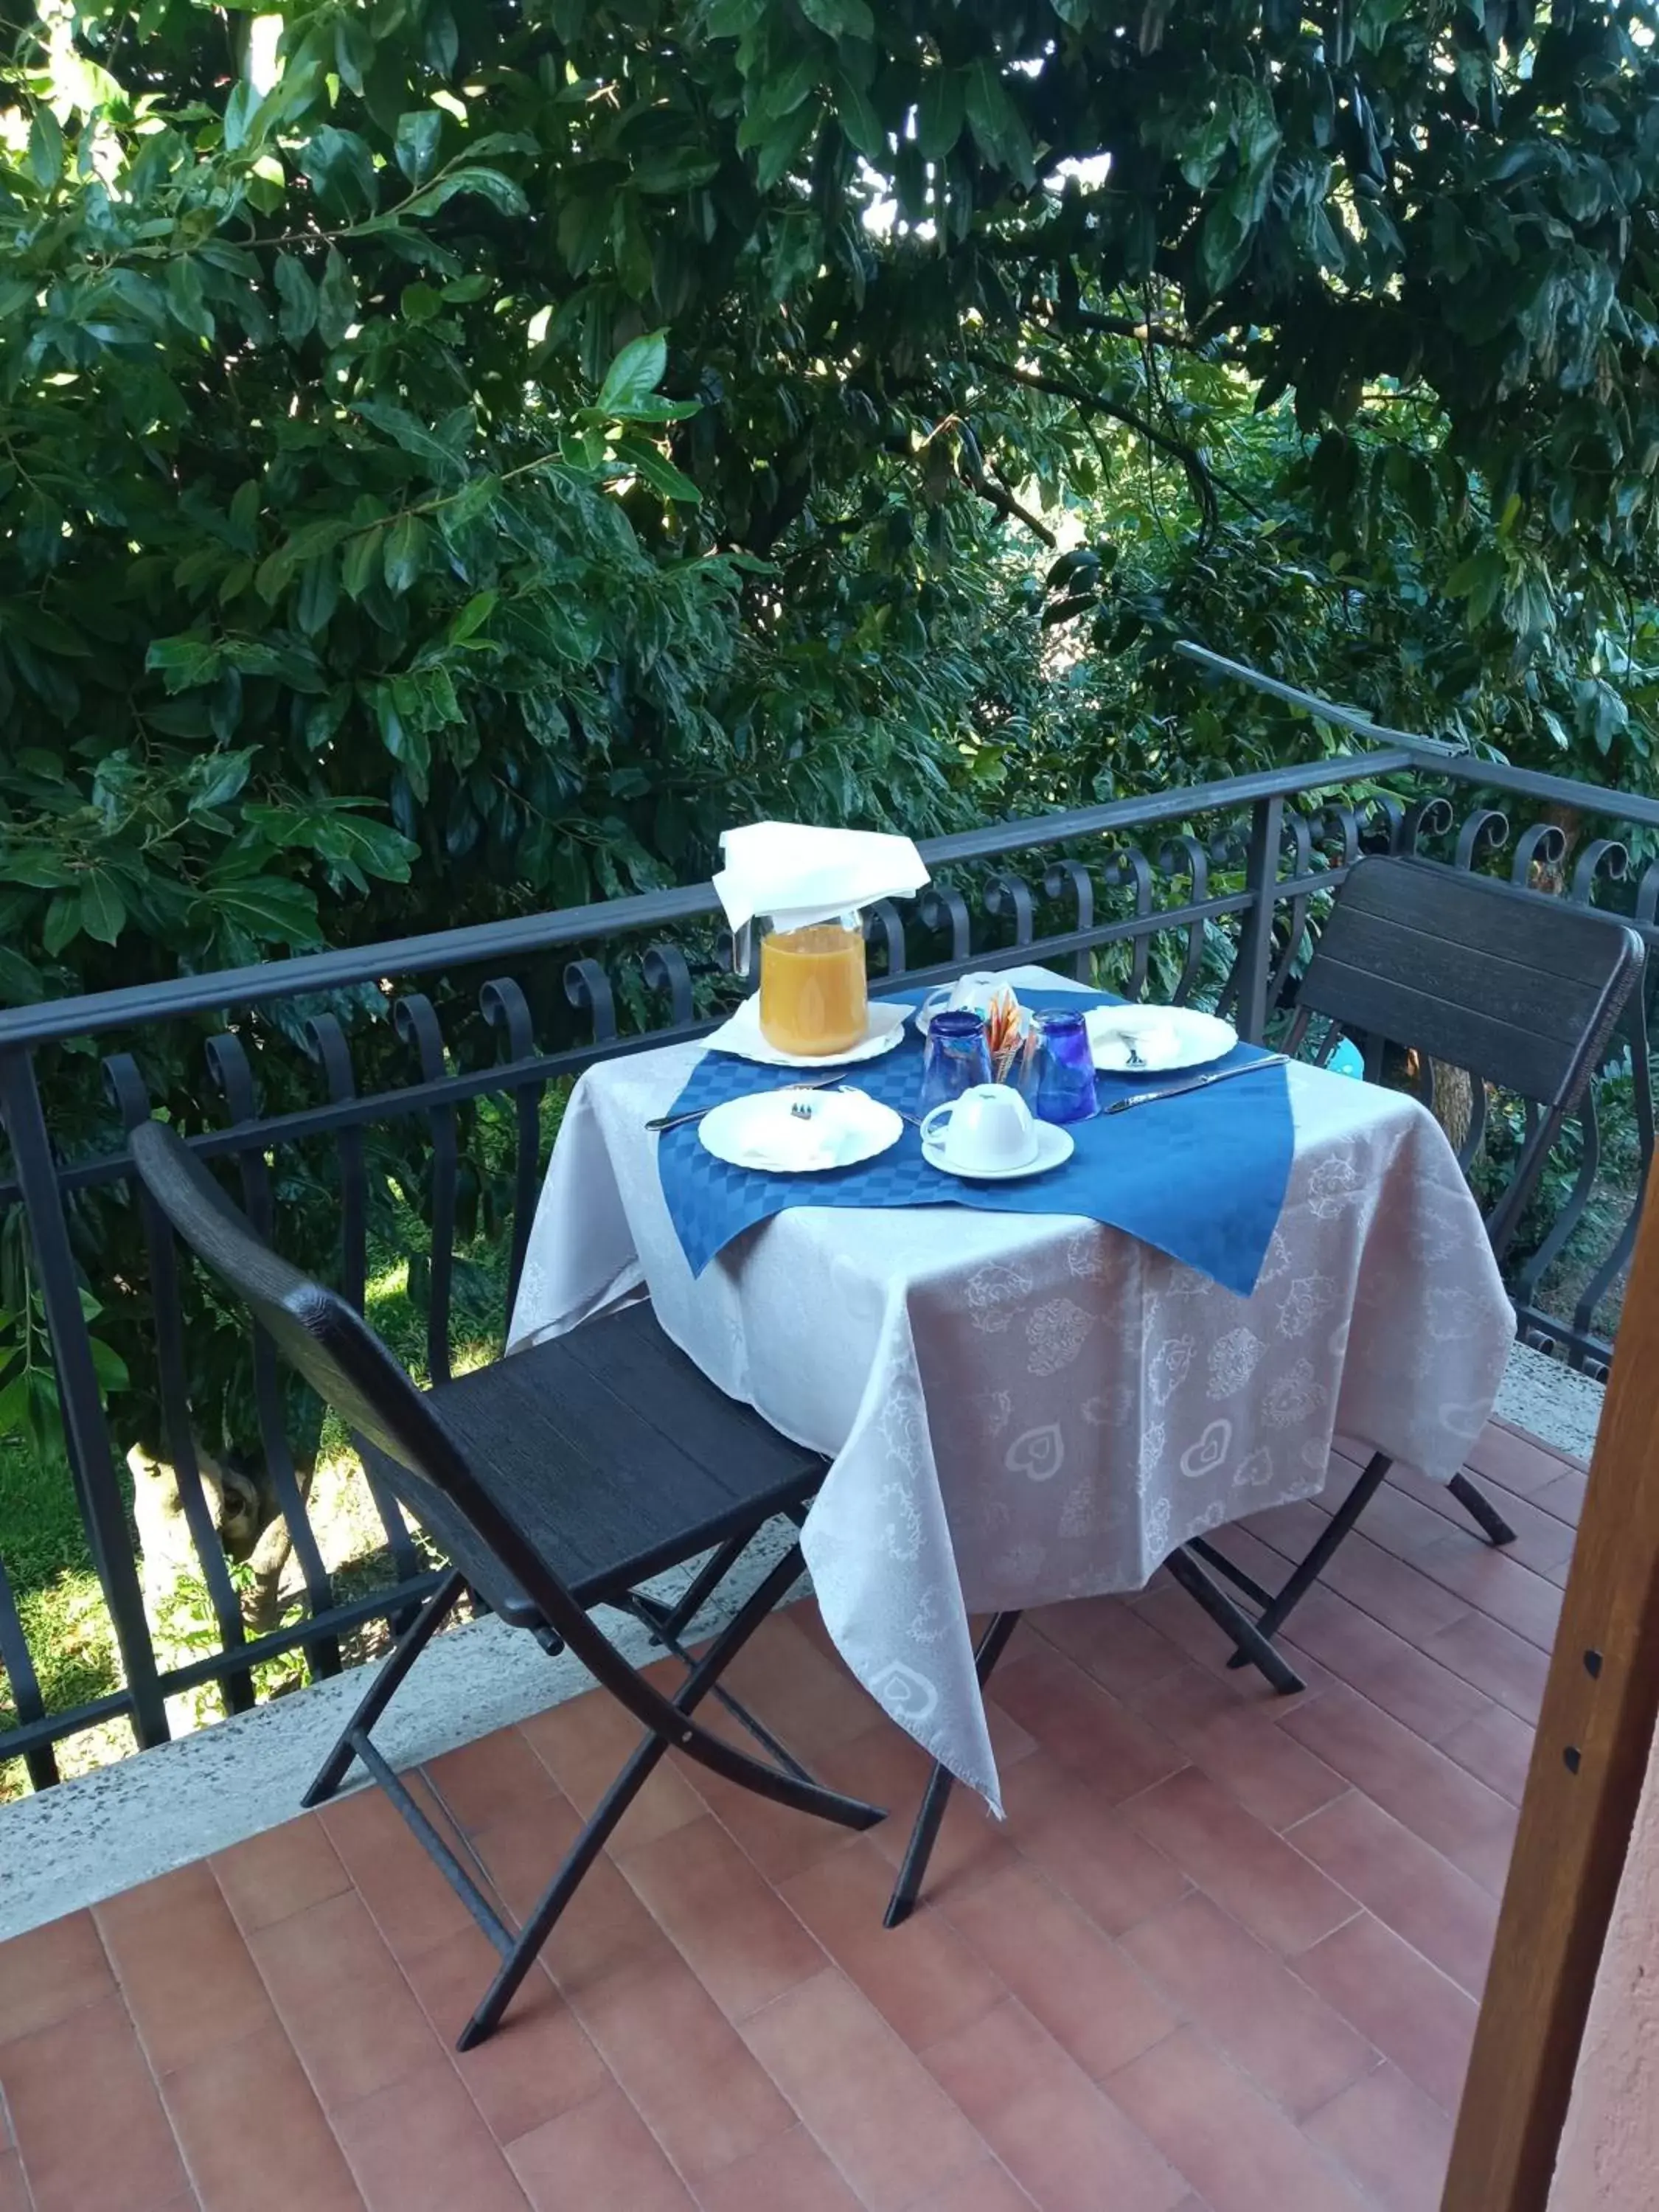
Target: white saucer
[762, 1131]
[1054, 1145]
[1165, 1037]
[741, 1036]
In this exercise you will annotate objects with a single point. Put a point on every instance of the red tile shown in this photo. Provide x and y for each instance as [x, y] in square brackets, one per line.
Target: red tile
[598, 2157]
[1564, 1496]
[1519, 1463]
[1498, 1585]
[1267, 2020]
[1496, 1659]
[1389, 1589]
[253, 2133]
[1240, 1747]
[807, 1696]
[1486, 1857]
[1394, 1996]
[1083, 1726]
[1496, 1747]
[1245, 1868]
[1422, 1695]
[1122, 1651]
[283, 1871]
[746, 1947]
[922, 1978]
[1542, 1541]
[1071, 1978]
[51, 1971]
[14, 2190]
[989, 2188]
[702, 2095]
[1240, 2152]
[1065, 2141]
[538, 2063]
[867, 2099]
[790, 2175]
[347, 2009]
[1087, 1848]
[585, 1745]
[183, 1966]
[604, 1923]
[1425, 1791]
[86, 2115]
[1409, 1886]
[1390, 2138]
[420, 2147]
[490, 1780]
[412, 1904]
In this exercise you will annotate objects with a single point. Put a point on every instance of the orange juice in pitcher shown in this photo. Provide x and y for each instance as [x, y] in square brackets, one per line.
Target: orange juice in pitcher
[814, 996]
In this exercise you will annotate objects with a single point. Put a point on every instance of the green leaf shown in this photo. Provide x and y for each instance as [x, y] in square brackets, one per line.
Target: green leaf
[419, 303]
[45, 149]
[318, 596]
[103, 910]
[998, 127]
[62, 923]
[336, 301]
[939, 113]
[656, 469]
[855, 112]
[841, 19]
[406, 546]
[362, 563]
[107, 1365]
[491, 184]
[296, 316]
[634, 375]
[268, 908]
[20, 981]
[472, 617]
[416, 143]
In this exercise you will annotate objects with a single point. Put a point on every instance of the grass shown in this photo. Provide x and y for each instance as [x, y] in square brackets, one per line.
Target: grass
[43, 1544]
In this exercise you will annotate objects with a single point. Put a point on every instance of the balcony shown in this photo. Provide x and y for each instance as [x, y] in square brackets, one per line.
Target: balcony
[1225, 1955]
[1227, 1950]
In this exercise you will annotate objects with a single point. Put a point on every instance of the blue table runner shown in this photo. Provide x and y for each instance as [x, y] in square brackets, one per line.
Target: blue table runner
[1202, 1178]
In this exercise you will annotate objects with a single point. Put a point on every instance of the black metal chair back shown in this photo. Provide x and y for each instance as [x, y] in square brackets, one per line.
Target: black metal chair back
[330, 1345]
[1521, 991]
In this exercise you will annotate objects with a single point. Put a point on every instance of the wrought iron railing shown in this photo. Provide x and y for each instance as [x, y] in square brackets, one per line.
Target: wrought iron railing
[341, 1076]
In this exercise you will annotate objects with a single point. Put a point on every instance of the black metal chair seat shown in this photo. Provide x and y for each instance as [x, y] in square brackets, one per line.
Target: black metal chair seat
[615, 1455]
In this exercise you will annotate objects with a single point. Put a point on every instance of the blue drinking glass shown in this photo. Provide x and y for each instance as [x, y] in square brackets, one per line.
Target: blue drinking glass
[955, 1056]
[1058, 1082]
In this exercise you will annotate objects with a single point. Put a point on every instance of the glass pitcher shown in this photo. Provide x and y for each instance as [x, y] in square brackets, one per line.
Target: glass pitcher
[814, 996]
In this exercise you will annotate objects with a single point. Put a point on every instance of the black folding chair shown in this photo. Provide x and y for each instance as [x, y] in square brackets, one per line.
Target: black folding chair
[1519, 991]
[555, 1480]
[1524, 992]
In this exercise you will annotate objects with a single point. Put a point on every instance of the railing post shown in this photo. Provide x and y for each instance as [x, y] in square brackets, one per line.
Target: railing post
[1255, 949]
[86, 1435]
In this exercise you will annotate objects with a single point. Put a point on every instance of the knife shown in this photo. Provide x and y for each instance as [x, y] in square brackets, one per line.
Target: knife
[1196, 1083]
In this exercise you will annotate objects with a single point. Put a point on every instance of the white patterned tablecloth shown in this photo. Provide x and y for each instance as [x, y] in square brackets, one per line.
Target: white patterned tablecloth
[1020, 1408]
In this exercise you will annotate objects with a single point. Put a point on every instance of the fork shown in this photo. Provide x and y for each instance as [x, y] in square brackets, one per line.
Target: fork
[665, 1121]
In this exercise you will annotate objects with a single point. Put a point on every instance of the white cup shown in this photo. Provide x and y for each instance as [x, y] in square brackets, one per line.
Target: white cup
[987, 1130]
[974, 992]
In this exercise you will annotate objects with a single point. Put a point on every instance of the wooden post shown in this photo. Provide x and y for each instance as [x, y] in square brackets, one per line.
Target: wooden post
[1595, 1733]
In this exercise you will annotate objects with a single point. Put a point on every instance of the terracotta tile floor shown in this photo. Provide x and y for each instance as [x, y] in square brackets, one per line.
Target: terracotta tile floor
[1224, 1956]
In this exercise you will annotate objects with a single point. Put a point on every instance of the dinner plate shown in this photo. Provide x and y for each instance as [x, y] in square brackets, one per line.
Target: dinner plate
[799, 1131]
[741, 1036]
[1164, 1037]
[1054, 1147]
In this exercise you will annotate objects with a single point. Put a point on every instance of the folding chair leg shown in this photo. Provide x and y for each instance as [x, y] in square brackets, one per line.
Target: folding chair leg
[937, 1796]
[849, 1812]
[1253, 1648]
[397, 1663]
[1481, 1511]
[1302, 1577]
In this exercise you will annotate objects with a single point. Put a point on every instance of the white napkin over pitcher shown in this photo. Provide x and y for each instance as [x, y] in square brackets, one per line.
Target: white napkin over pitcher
[798, 875]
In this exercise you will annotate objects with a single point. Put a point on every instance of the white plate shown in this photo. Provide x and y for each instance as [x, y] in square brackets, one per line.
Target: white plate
[741, 1036]
[1054, 1146]
[1165, 1037]
[761, 1130]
